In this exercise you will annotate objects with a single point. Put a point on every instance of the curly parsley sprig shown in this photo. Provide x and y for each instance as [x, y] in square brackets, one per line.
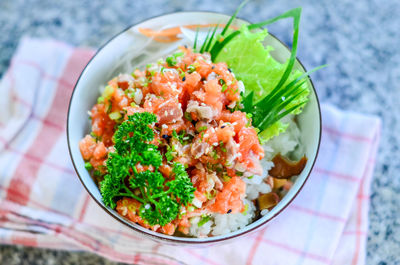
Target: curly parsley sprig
[160, 199]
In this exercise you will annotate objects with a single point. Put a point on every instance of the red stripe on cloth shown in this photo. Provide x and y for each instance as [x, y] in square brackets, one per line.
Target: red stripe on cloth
[364, 197]
[156, 247]
[36, 159]
[356, 232]
[84, 207]
[136, 259]
[83, 239]
[24, 240]
[26, 172]
[253, 250]
[23, 102]
[297, 251]
[359, 221]
[340, 134]
[318, 214]
[50, 123]
[157, 260]
[33, 202]
[336, 174]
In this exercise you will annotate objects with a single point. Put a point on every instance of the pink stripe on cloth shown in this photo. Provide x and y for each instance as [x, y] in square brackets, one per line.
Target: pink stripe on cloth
[327, 223]
[349, 136]
[253, 250]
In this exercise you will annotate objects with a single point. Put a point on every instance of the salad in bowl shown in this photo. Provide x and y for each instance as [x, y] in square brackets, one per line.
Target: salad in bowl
[200, 132]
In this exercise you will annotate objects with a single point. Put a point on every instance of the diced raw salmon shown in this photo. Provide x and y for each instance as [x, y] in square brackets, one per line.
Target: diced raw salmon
[248, 141]
[192, 82]
[100, 151]
[230, 198]
[87, 146]
[169, 111]
[166, 84]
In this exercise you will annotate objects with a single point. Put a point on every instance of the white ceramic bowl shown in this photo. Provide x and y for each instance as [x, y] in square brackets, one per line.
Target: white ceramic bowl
[125, 51]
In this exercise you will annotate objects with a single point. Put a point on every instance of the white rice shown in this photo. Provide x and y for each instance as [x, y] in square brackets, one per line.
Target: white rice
[286, 143]
[220, 224]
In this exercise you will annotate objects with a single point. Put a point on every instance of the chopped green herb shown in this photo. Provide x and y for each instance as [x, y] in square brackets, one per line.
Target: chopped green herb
[96, 137]
[225, 178]
[210, 195]
[188, 116]
[202, 128]
[171, 60]
[178, 54]
[204, 219]
[214, 154]
[246, 208]
[160, 199]
[170, 154]
[191, 68]
[222, 146]
[181, 73]
[238, 173]
[224, 87]
[109, 107]
[107, 93]
[88, 166]
[116, 115]
[181, 137]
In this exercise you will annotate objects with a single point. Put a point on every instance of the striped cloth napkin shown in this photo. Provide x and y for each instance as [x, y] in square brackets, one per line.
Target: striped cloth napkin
[43, 204]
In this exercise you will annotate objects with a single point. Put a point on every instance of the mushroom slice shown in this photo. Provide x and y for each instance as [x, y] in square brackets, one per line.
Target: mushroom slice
[268, 200]
[284, 168]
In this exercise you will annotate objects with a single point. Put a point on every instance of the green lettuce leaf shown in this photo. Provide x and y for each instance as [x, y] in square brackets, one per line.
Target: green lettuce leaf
[253, 64]
[273, 130]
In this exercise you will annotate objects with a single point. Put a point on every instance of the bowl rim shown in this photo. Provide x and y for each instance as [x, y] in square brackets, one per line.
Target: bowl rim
[182, 240]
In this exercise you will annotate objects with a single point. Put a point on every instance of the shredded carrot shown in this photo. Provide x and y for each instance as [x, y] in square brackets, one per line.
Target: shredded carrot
[171, 34]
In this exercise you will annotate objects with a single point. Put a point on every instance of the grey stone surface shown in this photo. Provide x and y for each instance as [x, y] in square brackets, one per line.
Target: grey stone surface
[358, 39]
[10, 255]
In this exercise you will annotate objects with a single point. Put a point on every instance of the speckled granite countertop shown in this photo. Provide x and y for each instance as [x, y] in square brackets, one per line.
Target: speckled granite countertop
[358, 39]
